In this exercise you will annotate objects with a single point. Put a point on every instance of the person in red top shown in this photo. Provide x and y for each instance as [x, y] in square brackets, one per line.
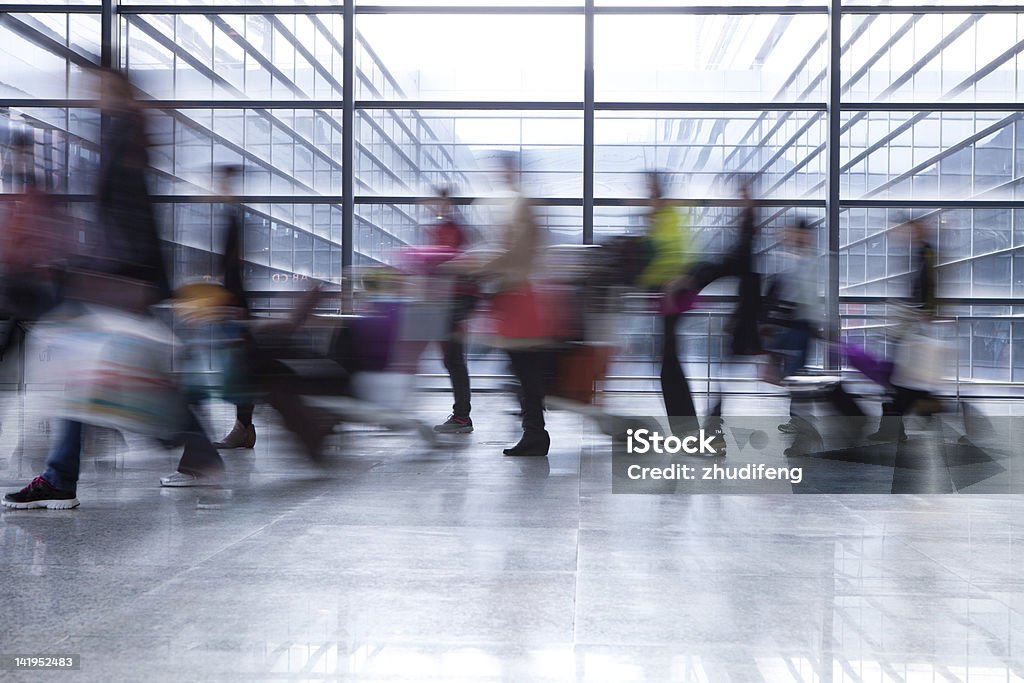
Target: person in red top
[447, 232]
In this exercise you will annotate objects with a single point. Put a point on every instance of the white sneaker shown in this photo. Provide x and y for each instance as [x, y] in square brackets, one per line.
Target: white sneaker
[184, 479]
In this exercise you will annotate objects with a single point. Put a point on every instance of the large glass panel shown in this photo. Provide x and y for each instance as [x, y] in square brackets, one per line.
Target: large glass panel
[381, 230]
[234, 56]
[931, 155]
[986, 341]
[703, 153]
[47, 55]
[922, 57]
[704, 331]
[285, 245]
[408, 152]
[978, 251]
[65, 153]
[717, 58]
[714, 228]
[284, 151]
[470, 57]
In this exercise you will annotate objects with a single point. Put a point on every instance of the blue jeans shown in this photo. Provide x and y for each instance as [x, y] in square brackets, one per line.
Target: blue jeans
[64, 461]
[794, 344]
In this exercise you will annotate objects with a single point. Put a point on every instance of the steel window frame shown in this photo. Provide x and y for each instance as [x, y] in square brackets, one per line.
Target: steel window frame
[589, 107]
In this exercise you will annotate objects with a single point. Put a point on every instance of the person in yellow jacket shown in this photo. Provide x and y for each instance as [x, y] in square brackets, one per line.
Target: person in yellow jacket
[668, 242]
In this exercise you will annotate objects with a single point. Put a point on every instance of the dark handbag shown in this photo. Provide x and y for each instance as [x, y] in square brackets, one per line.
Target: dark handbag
[29, 295]
[776, 311]
[113, 291]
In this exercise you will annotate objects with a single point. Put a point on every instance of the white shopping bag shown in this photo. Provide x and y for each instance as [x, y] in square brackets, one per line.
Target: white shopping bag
[388, 390]
[116, 371]
[922, 360]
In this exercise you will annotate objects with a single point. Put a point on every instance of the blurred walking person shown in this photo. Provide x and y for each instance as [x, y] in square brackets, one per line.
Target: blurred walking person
[744, 322]
[128, 241]
[524, 322]
[125, 270]
[793, 305]
[35, 240]
[668, 242]
[448, 233]
[243, 432]
[918, 312]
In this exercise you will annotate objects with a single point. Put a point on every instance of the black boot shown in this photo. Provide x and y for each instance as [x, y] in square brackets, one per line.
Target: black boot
[890, 427]
[534, 444]
[240, 436]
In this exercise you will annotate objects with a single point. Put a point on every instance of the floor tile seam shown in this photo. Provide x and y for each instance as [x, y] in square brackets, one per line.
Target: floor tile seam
[178, 572]
[260, 529]
[904, 543]
[938, 562]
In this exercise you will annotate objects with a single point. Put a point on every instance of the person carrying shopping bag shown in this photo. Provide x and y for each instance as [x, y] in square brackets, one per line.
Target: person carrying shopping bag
[526, 315]
[122, 273]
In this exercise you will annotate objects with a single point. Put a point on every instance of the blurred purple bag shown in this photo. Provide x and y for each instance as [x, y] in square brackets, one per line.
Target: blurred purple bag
[878, 371]
[679, 301]
[375, 335]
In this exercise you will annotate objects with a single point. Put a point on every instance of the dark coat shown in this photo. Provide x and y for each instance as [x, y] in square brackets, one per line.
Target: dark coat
[131, 241]
[231, 263]
[739, 263]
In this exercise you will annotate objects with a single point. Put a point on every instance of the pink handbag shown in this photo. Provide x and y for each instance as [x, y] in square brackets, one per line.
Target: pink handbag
[680, 301]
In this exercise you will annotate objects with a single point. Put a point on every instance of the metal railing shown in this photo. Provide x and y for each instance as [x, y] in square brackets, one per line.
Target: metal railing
[702, 339]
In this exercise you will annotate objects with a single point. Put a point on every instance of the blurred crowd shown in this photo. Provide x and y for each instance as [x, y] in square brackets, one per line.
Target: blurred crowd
[99, 293]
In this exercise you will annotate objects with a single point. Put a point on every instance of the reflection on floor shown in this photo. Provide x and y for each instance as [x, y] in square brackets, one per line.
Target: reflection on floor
[403, 563]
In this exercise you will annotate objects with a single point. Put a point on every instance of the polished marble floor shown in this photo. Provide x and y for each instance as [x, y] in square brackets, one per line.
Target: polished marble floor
[407, 563]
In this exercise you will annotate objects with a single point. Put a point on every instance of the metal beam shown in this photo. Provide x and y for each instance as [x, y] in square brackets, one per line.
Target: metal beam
[711, 106]
[467, 9]
[713, 9]
[832, 324]
[942, 301]
[47, 103]
[348, 207]
[468, 105]
[933, 204]
[334, 9]
[29, 8]
[110, 44]
[319, 199]
[440, 9]
[476, 105]
[933, 9]
[933, 106]
[588, 123]
[527, 107]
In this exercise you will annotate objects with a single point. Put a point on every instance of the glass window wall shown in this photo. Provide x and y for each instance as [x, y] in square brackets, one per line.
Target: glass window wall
[930, 120]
